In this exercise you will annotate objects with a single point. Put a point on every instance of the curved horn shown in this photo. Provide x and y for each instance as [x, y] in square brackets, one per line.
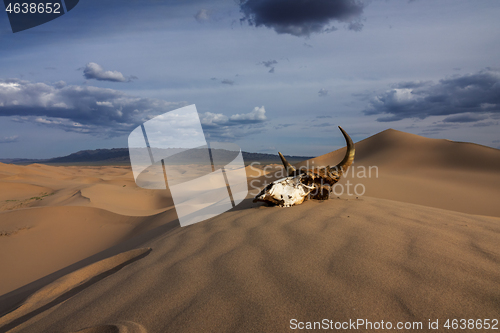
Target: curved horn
[289, 168]
[349, 154]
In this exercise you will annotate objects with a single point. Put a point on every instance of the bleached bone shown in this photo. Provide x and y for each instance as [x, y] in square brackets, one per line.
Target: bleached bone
[303, 184]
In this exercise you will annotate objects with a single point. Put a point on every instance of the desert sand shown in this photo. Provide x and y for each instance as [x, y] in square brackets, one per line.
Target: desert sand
[82, 249]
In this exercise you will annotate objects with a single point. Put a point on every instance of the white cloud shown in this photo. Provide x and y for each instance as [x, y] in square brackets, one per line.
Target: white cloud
[98, 110]
[95, 71]
[257, 115]
[202, 15]
[9, 139]
[220, 126]
[109, 104]
[213, 119]
[323, 92]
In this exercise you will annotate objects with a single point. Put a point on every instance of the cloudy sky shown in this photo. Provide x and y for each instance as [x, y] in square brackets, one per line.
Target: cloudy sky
[267, 74]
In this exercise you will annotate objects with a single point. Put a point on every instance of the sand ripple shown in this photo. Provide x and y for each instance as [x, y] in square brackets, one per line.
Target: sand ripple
[68, 286]
[123, 327]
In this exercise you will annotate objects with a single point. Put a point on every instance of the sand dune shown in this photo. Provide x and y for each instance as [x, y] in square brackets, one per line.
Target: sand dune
[256, 268]
[132, 201]
[70, 284]
[20, 191]
[408, 250]
[110, 188]
[438, 173]
[51, 217]
[39, 241]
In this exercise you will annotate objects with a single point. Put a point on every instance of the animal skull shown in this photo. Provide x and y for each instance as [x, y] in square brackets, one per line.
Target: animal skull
[303, 184]
[285, 192]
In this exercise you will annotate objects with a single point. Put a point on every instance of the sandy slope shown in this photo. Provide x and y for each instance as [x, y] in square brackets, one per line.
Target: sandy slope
[39, 241]
[254, 268]
[51, 217]
[110, 186]
[458, 176]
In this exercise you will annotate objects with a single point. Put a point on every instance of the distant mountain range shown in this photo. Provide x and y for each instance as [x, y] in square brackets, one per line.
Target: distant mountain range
[120, 156]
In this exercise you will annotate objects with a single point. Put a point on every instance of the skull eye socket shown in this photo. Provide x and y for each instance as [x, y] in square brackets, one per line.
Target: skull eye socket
[289, 197]
[282, 196]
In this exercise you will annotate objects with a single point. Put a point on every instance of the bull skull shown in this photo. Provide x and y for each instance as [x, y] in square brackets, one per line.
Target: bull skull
[302, 184]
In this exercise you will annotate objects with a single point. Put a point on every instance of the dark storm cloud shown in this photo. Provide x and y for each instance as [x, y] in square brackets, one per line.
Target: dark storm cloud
[269, 64]
[477, 94]
[105, 112]
[464, 118]
[411, 84]
[486, 123]
[84, 109]
[95, 71]
[355, 26]
[301, 17]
